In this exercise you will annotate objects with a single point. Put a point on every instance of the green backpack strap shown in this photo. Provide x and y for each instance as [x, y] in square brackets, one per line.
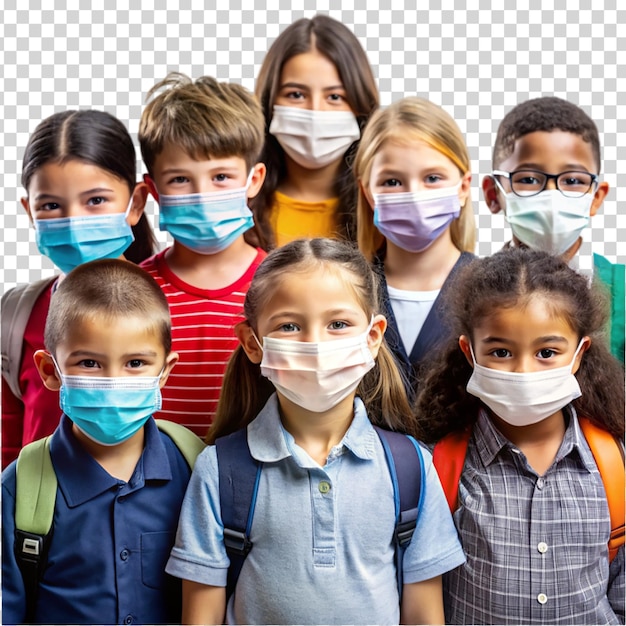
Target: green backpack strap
[35, 496]
[189, 444]
[17, 305]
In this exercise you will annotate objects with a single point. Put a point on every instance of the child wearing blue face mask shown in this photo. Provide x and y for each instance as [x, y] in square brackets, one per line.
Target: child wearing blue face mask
[121, 480]
[200, 142]
[308, 382]
[526, 364]
[79, 173]
[414, 220]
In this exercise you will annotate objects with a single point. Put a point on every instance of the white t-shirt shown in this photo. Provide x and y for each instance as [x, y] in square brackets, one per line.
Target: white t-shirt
[411, 308]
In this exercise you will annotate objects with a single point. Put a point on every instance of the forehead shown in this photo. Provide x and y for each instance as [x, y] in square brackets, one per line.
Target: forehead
[413, 153]
[310, 68]
[73, 176]
[175, 156]
[551, 151]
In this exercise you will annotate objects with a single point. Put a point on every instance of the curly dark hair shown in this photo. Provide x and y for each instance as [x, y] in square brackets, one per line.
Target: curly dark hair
[506, 280]
[544, 114]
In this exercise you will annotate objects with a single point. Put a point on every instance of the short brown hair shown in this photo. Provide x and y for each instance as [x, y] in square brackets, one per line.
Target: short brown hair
[544, 114]
[107, 289]
[206, 118]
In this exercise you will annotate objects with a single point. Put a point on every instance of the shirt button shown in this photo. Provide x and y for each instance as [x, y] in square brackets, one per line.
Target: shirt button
[128, 619]
[124, 556]
[540, 483]
[542, 598]
[542, 547]
[324, 486]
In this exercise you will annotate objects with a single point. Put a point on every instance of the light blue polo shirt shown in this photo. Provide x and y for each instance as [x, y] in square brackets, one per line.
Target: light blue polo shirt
[322, 537]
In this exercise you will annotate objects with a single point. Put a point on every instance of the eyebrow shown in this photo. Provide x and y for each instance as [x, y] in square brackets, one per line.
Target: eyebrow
[87, 353]
[568, 167]
[306, 87]
[544, 339]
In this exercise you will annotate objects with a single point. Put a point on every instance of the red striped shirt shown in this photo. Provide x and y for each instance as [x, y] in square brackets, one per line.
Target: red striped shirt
[203, 322]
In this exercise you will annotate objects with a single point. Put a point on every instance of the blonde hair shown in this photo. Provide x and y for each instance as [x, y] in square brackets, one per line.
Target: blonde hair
[245, 391]
[407, 120]
[206, 118]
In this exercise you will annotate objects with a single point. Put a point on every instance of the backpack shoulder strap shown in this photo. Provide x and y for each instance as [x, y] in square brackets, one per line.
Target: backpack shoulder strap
[609, 457]
[35, 497]
[17, 305]
[406, 467]
[189, 444]
[239, 476]
[449, 459]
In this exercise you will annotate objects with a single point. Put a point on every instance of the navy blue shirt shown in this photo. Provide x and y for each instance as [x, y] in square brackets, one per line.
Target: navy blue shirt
[111, 539]
[432, 335]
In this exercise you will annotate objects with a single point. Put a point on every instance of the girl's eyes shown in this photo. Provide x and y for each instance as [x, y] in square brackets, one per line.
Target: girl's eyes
[294, 95]
[546, 353]
[500, 353]
[134, 363]
[96, 200]
[289, 327]
[178, 180]
[337, 97]
[338, 325]
[432, 179]
[392, 182]
[49, 206]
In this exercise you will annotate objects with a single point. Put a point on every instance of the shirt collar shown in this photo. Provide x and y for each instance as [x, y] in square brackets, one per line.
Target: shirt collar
[82, 478]
[269, 441]
[490, 441]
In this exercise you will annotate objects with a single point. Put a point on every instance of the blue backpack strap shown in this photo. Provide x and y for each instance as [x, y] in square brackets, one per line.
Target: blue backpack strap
[239, 476]
[406, 467]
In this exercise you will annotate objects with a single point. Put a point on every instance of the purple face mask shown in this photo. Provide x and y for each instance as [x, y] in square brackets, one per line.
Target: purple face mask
[413, 221]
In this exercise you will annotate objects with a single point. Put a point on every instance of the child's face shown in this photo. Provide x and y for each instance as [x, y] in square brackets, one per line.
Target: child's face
[552, 152]
[110, 348]
[311, 81]
[176, 173]
[524, 339]
[314, 306]
[413, 167]
[75, 188]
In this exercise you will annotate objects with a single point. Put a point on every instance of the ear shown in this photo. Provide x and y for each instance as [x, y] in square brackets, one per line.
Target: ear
[140, 196]
[586, 343]
[490, 191]
[147, 179]
[256, 182]
[598, 198]
[464, 344]
[366, 193]
[465, 188]
[47, 370]
[376, 334]
[170, 361]
[26, 204]
[248, 342]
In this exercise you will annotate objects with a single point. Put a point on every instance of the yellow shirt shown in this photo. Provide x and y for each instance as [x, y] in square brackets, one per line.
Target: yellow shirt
[291, 218]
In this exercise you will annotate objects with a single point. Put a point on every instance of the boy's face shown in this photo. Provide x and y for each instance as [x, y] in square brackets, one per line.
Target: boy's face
[552, 152]
[110, 348]
[176, 173]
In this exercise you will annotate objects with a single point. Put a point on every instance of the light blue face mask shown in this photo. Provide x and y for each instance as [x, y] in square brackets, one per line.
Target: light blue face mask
[206, 223]
[71, 241]
[110, 410]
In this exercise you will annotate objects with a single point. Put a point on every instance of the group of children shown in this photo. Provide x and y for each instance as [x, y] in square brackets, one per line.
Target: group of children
[321, 285]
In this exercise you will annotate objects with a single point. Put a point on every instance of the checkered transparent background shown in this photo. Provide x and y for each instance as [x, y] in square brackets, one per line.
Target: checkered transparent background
[475, 60]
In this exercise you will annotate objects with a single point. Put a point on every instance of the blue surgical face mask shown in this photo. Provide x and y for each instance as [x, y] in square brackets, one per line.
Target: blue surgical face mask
[71, 241]
[206, 223]
[110, 410]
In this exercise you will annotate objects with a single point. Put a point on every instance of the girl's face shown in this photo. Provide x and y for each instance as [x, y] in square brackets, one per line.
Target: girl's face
[76, 188]
[314, 306]
[524, 339]
[413, 167]
[311, 81]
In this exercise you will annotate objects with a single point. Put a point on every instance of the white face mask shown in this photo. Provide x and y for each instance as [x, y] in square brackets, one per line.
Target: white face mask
[548, 221]
[314, 139]
[317, 375]
[524, 398]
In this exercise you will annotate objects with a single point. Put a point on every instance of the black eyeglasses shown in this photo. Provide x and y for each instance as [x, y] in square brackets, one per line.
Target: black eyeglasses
[572, 184]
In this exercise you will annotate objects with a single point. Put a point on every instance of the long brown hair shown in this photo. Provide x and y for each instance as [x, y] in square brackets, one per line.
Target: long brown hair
[95, 137]
[509, 279]
[245, 391]
[336, 42]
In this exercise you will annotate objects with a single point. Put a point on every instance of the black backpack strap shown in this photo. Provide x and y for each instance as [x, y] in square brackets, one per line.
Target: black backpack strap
[239, 476]
[406, 467]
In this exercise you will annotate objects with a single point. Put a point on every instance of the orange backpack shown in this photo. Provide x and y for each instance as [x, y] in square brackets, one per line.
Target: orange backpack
[449, 459]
